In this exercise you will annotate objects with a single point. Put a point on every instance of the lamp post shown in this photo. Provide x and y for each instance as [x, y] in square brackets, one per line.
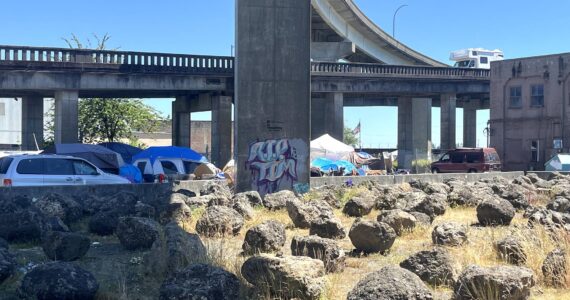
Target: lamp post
[394, 19]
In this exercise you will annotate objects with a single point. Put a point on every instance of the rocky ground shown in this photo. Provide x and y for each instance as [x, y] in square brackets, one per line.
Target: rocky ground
[491, 239]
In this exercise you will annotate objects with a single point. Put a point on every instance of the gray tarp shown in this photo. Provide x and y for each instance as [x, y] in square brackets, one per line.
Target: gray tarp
[100, 156]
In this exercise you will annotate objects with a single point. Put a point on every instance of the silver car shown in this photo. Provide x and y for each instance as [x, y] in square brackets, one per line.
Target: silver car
[41, 170]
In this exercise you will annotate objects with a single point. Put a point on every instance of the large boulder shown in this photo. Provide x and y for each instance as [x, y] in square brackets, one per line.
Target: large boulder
[433, 205]
[515, 194]
[219, 221]
[449, 234]
[327, 227]
[550, 219]
[387, 197]
[243, 207]
[25, 225]
[495, 211]
[7, 264]
[178, 250]
[320, 248]
[390, 283]
[218, 188]
[103, 223]
[268, 236]
[122, 203]
[559, 204]
[63, 207]
[422, 218]
[503, 282]
[511, 250]
[359, 206]
[408, 201]
[304, 213]
[59, 280]
[370, 236]
[278, 200]
[66, 246]
[136, 233]
[200, 281]
[432, 266]
[252, 197]
[398, 219]
[465, 194]
[178, 211]
[287, 277]
[554, 268]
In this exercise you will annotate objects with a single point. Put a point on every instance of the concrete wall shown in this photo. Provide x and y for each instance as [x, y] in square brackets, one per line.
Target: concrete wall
[10, 121]
[398, 179]
[514, 128]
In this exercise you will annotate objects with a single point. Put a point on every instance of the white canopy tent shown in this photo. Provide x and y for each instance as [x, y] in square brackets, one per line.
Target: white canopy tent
[328, 147]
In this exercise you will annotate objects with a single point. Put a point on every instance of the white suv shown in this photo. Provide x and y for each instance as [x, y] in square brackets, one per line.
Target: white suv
[40, 170]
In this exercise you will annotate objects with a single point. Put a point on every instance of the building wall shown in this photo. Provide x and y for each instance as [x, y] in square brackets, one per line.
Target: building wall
[515, 128]
[10, 122]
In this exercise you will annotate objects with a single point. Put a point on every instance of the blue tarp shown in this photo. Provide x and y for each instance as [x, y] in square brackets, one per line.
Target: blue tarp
[153, 153]
[326, 164]
[348, 166]
[105, 159]
[126, 151]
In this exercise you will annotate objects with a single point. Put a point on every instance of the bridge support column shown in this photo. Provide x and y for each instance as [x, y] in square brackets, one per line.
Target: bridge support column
[221, 130]
[273, 106]
[66, 117]
[32, 123]
[448, 122]
[414, 131]
[181, 122]
[470, 124]
[327, 116]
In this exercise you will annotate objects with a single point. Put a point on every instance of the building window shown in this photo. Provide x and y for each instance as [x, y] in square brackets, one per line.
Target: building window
[537, 95]
[2, 109]
[515, 99]
[483, 60]
[534, 151]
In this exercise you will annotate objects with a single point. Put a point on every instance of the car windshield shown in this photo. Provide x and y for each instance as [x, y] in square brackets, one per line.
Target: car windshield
[492, 157]
[5, 164]
[464, 64]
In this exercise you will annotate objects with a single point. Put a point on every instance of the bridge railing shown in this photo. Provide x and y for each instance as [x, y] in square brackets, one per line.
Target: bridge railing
[145, 60]
[371, 70]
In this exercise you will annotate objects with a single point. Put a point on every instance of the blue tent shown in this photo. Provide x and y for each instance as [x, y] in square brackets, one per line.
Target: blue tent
[153, 153]
[126, 151]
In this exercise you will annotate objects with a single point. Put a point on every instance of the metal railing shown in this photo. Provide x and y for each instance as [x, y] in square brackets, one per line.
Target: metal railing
[35, 56]
[377, 70]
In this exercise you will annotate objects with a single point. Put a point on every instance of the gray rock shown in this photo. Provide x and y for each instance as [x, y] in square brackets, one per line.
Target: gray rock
[323, 249]
[495, 212]
[327, 227]
[432, 266]
[370, 237]
[390, 283]
[201, 281]
[176, 211]
[465, 194]
[243, 207]
[433, 205]
[511, 250]
[550, 219]
[408, 201]
[219, 221]
[220, 200]
[252, 197]
[449, 234]
[286, 277]
[387, 197]
[359, 206]
[515, 194]
[122, 203]
[218, 188]
[7, 264]
[55, 224]
[554, 268]
[104, 223]
[278, 200]
[143, 210]
[560, 204]
[137, 233]
[266, 237]
[25, 225]
[304, 213]
[422, 218]
[65, 246]
[59, 280]
[398, 219]
[504, 283]
[4, 244]
[178, 250]
[63, 207]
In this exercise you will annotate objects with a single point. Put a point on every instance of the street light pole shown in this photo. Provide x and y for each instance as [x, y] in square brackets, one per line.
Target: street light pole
[394, 19]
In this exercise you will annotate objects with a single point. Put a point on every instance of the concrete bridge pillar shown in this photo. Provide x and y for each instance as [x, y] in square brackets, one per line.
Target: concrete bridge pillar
[273, 106]
[327, 116]
[181, 122]
[221, 130]
[32, 123]
[414, 130]
[470, 124]
[66, 117]
[448, 122]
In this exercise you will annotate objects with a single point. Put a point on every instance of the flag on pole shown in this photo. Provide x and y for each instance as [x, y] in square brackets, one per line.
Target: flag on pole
[356, 130]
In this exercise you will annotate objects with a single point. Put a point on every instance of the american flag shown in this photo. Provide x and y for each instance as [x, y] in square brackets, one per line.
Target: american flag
[356, 130]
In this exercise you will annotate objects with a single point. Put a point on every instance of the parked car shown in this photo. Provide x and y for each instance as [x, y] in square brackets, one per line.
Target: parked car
[470, 160]
[41, 170]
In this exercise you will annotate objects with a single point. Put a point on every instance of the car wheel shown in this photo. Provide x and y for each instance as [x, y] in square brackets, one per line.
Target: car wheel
[472, 171]
[435, 170]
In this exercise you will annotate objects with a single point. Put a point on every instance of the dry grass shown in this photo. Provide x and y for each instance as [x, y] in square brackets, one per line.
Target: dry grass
[537, 243]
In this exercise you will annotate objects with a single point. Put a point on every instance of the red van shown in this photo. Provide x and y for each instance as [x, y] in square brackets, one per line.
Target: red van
[470, 160]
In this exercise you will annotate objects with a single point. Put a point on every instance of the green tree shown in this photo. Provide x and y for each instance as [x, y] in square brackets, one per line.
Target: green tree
[349, 137]
[108, 119]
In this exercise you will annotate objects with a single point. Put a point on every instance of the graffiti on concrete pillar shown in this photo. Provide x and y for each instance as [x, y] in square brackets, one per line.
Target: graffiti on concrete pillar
[274, 164]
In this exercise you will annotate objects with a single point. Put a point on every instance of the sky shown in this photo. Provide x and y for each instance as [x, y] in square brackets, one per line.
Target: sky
[433, 27]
